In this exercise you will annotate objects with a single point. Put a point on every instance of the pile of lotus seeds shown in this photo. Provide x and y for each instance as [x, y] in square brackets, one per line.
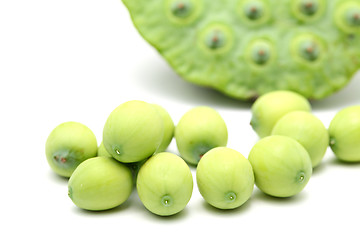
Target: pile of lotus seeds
[136, 135]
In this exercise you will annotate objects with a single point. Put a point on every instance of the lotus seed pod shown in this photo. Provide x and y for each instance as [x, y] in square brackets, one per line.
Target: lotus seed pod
[308, 130]
[133, 131]
[102, 151]
[282, 167]
[68, 145]
[169, 128]
[311, 46]
[164, 184]
[269, 108]
[100, 183]
[344, 131]
[225, 178]
[198, 131]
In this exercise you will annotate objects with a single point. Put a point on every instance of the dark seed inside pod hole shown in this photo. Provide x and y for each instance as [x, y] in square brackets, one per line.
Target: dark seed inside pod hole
[254, 10]
[261, 53]
[353, 17]
[309, 50]
[181, 9]
[309, 7]
[215, 39]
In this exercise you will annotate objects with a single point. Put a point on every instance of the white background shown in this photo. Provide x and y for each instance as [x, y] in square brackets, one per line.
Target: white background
[79, 59]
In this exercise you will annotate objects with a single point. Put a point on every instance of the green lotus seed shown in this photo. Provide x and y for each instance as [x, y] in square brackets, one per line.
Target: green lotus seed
[269, 108]
[68, 145]
[164, 184]
[308, 130]
[225, 178]
[344, 131]
[169, 128]
[198, 131]
[102, 151]
[282, 167]
[133, 131]
[100, 183]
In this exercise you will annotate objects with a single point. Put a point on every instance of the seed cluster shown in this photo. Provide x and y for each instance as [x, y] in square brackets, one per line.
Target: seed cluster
[225, 178]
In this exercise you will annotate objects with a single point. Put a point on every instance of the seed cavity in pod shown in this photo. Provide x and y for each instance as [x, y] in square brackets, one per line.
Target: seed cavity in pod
[353, 17]
[309, 7]
[184, 12]
[181, 8]
[216, 38]
[254, 10]
[166, 201]
[308, 49]
[260, 52]
[308, 10]
[347, 17]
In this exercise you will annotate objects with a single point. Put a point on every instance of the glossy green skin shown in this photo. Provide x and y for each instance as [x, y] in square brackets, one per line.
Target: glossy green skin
[134, 167]
[100, 183]
[269, 108]
[308, 130]
[344, 131]
[164, 184]
[102, 151]
[225, 178]
[133, 131]
[169, 128]
[198, 131]
[232, 67]
[68, 145]
[282, 167]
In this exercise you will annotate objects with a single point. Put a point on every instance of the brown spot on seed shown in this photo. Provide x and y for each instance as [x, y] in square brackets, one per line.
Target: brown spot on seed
[309, 5]
[261, 53]
[181, 6]
[310, 49]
